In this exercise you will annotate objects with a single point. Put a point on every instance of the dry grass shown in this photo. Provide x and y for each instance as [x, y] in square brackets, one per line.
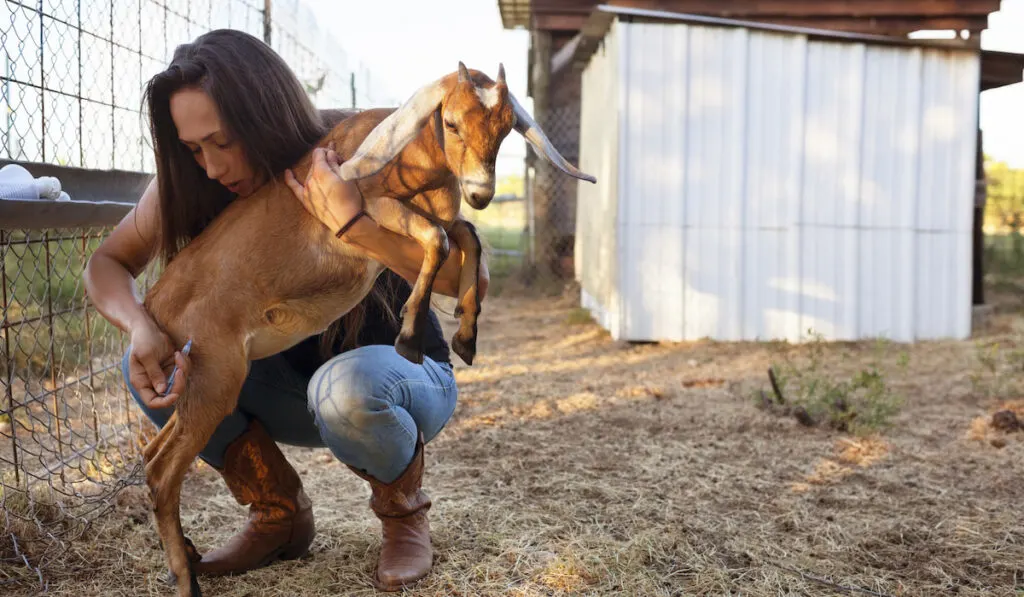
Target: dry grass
[576, 465]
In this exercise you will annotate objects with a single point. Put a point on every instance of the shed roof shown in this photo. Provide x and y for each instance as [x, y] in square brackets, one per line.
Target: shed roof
[867, 16]
[514, 13]
[998, 68]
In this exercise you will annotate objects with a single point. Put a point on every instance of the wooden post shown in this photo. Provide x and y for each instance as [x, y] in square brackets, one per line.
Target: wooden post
[543, 174]
[267, 25]
[978, 266]
[352, 85]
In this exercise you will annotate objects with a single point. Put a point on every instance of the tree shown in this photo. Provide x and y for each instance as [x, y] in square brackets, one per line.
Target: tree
[1004, 216]
[1005, 197]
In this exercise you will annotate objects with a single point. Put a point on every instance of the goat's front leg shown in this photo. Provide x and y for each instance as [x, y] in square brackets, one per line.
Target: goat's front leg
[397, 217]
[468, 309]
[211, 394]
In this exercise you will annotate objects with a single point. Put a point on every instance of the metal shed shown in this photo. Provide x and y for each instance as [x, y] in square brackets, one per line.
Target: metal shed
[760, 181]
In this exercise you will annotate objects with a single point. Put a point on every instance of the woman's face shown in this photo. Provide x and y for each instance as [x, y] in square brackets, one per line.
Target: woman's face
[199, 128]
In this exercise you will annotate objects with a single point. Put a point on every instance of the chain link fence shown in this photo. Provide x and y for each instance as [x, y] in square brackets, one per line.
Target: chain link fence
[71, 86]
[74, 70]
[549, 195]
[529, 229]
[70, 435]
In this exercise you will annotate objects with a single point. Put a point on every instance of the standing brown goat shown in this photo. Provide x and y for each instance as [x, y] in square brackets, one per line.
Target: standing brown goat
[412, 165]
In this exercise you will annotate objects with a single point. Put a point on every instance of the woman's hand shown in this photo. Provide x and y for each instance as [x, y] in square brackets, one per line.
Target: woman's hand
[151, 354]
[325, 195]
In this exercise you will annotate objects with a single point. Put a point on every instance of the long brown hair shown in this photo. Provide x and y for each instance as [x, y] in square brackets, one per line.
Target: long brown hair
[263, 105]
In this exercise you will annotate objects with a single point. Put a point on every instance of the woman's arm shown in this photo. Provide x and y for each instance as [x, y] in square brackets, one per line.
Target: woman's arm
[109, 279]
[110, 273]
[336, 202]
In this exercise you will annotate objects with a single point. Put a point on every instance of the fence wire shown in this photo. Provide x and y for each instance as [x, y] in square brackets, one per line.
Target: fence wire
[71, 80]
[73, 70]
[551, 194]
[70, 434]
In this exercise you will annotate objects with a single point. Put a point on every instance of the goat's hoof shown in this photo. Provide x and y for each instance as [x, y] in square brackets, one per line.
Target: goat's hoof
[196, 591]
[465, 348]
[193, 554]
[193, 584]
[409, 349]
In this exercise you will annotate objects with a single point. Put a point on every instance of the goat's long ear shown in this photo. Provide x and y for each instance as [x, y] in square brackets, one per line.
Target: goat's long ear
[393, 133]
[529, 129]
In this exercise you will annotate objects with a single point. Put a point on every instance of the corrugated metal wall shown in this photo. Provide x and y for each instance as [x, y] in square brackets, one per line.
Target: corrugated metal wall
[597, 239]
[769, 184]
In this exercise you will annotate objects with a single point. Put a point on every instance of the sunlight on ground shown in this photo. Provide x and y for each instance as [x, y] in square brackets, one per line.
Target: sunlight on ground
[851, 454]
[549, 364]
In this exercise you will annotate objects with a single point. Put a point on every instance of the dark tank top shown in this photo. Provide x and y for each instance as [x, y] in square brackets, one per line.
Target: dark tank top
[378, 328]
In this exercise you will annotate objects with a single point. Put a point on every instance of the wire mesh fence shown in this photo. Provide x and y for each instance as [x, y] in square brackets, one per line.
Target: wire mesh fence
[69, 433]
[71, 86]
[74, 70]
[549, 193]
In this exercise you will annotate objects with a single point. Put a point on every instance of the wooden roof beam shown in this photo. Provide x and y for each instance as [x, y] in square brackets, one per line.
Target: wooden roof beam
[821, 8]
[999, 69]
[911, 9]
[560, 22]
[899, 26]
[889, 26]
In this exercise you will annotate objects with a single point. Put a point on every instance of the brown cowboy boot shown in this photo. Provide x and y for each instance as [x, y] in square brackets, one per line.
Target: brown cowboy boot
[280, 525]
[406, 554]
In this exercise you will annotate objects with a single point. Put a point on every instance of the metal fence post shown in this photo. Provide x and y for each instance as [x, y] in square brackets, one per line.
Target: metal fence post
[267, 22]
[542, 193]
[9, 361]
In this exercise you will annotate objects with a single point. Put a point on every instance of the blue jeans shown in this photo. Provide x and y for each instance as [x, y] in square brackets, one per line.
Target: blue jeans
[366, 405]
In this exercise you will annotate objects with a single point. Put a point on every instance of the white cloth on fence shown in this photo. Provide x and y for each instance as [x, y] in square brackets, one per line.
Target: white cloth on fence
[18, 183]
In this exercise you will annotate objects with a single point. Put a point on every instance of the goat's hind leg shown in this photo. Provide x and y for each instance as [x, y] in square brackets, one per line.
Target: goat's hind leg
[164, 487]
[397, 217]
[211, 395]
[468, 309]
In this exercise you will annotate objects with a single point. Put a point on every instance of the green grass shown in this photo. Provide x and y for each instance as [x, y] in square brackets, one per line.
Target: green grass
[1004, 255]
[862, 403]
[46, 304]
[46, 270]
[506, 238]
[502, 227]
[579, 316]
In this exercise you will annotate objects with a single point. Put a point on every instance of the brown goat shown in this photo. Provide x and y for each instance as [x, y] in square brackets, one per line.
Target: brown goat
[422, 192]
[285, 276]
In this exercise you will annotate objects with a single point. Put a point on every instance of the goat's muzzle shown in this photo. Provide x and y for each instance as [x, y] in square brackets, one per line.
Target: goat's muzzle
[478, 195]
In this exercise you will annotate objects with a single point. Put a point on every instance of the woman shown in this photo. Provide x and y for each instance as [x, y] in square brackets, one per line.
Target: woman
[227, 116]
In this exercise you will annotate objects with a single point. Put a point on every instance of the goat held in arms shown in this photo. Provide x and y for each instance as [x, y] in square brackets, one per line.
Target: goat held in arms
[412, 165]
[421, 191]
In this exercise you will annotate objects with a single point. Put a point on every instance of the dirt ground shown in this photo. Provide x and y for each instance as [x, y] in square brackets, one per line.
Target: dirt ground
[577, 465]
